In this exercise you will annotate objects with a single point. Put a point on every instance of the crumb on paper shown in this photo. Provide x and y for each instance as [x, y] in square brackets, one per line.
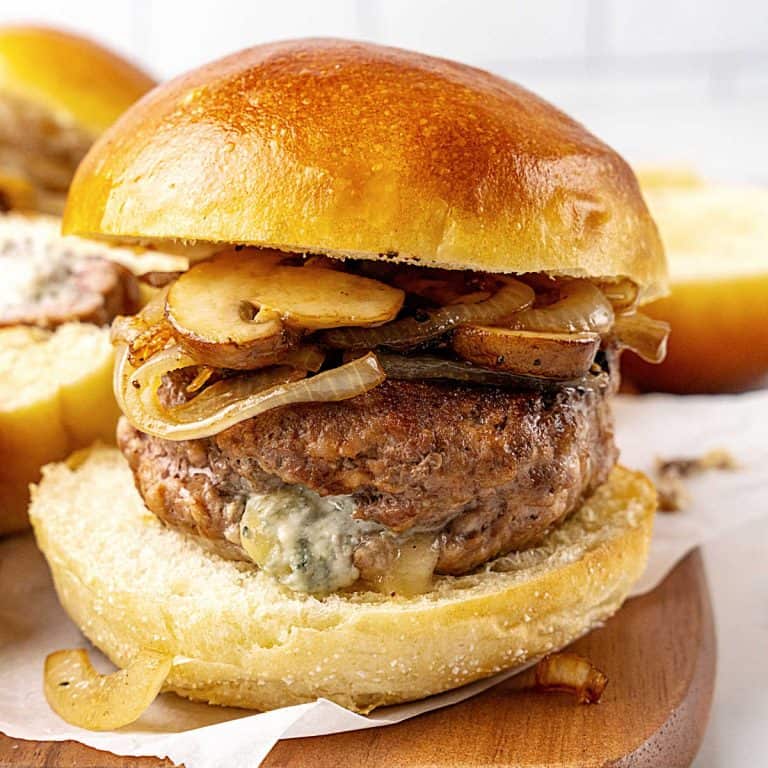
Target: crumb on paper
[670, 473]
[571, 673]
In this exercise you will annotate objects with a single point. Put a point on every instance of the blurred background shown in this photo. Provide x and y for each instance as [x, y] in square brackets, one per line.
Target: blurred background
[683, 81]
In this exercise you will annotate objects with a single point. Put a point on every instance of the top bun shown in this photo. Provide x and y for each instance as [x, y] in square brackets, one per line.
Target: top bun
[358, 150]
[70, 76]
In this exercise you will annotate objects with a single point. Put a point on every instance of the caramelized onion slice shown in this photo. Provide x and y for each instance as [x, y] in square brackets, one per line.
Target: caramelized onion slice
[230, 401]
[529, 353]
[77, 693]
[125, 329]
[512, 297]
[146, 332]
[643, 335]
[126, 378]
[571, 673]
[621, 293]
[413, 567]
[580, 306]
[417, 367]
[307, 358]
[438, 286]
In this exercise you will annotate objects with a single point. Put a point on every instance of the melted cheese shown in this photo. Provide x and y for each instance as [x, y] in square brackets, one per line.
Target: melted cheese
[34, 275]
[304, 540]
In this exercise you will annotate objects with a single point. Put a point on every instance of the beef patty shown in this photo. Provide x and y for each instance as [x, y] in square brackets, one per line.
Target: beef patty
[489, 470]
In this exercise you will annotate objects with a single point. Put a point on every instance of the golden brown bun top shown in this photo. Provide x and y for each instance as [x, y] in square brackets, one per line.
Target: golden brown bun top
[69, 75]
[353, 149]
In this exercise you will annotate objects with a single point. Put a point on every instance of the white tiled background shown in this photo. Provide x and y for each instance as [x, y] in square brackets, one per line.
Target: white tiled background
[682, 81]
[662, 80]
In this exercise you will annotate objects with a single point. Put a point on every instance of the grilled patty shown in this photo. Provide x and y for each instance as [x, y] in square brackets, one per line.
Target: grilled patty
[487, 469]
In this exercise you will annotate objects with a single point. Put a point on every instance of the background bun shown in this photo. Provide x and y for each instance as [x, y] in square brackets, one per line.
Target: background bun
[716, 239]
[129, 582]
[353, 149]
[72, 77]
[58, 92]
[44, 232]
[55, 396]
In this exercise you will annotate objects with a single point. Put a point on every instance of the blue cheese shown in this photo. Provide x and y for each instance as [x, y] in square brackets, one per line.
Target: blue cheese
[302, 539]
[34, 273]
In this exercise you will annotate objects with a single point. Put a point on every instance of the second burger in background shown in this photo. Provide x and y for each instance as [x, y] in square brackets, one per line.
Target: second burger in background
[58, 92]
[57, 296]
[368, 450]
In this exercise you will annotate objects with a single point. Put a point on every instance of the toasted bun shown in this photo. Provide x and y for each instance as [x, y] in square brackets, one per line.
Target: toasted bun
[129, 583]
[71, 76]
[716, 238]
[358, 150]
[55, 396]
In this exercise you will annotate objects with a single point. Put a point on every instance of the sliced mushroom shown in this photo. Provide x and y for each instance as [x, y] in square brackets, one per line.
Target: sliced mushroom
[245, 310]
[529, 353]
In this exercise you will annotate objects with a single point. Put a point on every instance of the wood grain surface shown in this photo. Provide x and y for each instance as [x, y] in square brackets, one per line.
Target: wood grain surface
[659, 655]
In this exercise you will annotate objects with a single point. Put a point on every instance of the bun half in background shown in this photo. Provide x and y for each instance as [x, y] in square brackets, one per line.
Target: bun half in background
[55, 397]
[370, 439]
[58, 92]
[716, 239]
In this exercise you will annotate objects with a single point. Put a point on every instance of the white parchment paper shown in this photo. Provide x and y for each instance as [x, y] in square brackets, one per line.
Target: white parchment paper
[32, 624]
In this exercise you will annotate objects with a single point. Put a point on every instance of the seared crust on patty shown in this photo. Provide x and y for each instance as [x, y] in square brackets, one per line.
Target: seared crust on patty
[491, 470]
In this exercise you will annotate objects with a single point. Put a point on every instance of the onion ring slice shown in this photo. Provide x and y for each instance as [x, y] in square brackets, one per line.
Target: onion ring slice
[511, 298]
[146, 332]
[621, 293]
[581, 306]
[230, 401]
[645, 336]
[81, 696]
[571, 673]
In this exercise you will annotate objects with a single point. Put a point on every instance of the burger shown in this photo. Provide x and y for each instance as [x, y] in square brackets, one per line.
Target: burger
[58, 296]
[367, 448]
[58, 92]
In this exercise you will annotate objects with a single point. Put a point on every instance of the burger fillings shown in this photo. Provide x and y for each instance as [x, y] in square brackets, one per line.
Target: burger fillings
[323, 495]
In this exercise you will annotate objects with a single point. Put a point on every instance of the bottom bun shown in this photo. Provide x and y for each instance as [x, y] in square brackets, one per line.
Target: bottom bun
[241, 639]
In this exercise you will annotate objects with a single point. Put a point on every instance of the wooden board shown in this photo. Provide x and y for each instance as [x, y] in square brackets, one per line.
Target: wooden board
[659, 655]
